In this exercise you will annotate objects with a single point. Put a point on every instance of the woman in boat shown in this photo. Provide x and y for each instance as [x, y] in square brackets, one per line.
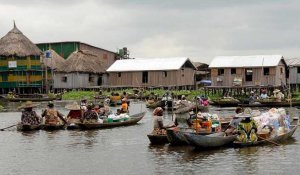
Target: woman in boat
[246, 129]
[29, 117]
[52, 116]
[124, 107]
[158, 126]
[90, 116]
[264, 94]
[234, 122]
[75, 113]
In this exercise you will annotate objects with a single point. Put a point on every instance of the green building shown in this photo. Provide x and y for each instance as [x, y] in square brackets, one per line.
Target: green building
[65, 49]
[20, 65]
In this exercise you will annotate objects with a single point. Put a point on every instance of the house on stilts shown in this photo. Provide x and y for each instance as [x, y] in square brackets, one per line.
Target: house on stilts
[248, 72]
[174, 73]
[83, 69]
[20, 65]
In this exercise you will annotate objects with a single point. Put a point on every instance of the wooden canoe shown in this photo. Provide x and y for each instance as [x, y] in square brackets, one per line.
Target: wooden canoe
[21, 127]
[271, 104]
[73, 126]
[225, 103]
[52, 127]
[209, 141]
[276, 139]
[30, 99]
[157, 139]
[175, 135]
[132, 121]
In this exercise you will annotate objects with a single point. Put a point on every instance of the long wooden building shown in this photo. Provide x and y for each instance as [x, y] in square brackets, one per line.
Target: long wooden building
[20, 65]
[83, 69]
[245, 71]
[176, 73]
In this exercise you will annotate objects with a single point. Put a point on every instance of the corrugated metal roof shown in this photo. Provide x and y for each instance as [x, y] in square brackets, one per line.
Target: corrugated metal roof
[149, 64]
[246, 61]
[293, 61]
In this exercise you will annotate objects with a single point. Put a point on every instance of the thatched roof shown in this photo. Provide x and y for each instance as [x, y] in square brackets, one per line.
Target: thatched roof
[15, 43]
[55, 61]
[82, 61]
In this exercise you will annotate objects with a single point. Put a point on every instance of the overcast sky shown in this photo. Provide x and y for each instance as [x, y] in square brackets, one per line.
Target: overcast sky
[198, 29]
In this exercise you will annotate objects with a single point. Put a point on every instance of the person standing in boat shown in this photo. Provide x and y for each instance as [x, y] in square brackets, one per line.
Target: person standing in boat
[75, 113]
[29, 116]
[158, 126]
[246, 129]
[52, 116]
[234, 122]
[90, 116]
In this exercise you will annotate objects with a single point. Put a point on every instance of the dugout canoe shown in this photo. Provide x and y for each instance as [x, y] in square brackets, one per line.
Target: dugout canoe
[131, 121]
[175, 135]
[225, 102]
[157, 139]
[209, 141]
[52, 127]
[271, 104]
[272, 140]
[30, 99]
[21, 127]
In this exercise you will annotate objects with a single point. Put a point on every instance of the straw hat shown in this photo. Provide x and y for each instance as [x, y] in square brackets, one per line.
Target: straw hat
[276, 91]
[28, 104]
[73, 106]
[251, 92]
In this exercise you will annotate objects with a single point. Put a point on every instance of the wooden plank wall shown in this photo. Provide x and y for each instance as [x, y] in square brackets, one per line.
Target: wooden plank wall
[180, 77]
[274, 78]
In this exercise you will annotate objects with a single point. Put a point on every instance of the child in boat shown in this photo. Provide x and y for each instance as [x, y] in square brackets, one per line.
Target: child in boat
[89, 116]
[158, 126]
[75, 113]
[52, 116]
[29, 117]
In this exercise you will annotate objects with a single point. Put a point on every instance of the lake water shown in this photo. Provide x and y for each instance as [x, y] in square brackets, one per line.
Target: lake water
[126, 150]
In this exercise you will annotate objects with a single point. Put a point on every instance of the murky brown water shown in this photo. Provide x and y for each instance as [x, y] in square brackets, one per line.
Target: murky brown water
[126, 150]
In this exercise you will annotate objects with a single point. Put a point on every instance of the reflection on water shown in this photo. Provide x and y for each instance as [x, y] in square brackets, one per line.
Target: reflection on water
[126, 150]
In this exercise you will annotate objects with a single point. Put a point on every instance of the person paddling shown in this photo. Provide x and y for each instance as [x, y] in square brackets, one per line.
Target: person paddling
[29, 116]
[52, 116]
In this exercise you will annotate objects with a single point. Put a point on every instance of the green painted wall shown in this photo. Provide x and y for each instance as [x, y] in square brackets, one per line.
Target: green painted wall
[64, 49]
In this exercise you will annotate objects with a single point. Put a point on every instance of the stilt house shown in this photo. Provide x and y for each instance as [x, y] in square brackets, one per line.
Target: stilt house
[155, 72]
[82, 70]
[20, 65]
[245, 71]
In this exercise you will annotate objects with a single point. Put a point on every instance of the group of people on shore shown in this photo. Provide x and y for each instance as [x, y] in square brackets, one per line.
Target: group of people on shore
[86, 112]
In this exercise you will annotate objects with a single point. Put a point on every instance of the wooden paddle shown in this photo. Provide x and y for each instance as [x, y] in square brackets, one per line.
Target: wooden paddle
[277, 144]
[8, 127]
